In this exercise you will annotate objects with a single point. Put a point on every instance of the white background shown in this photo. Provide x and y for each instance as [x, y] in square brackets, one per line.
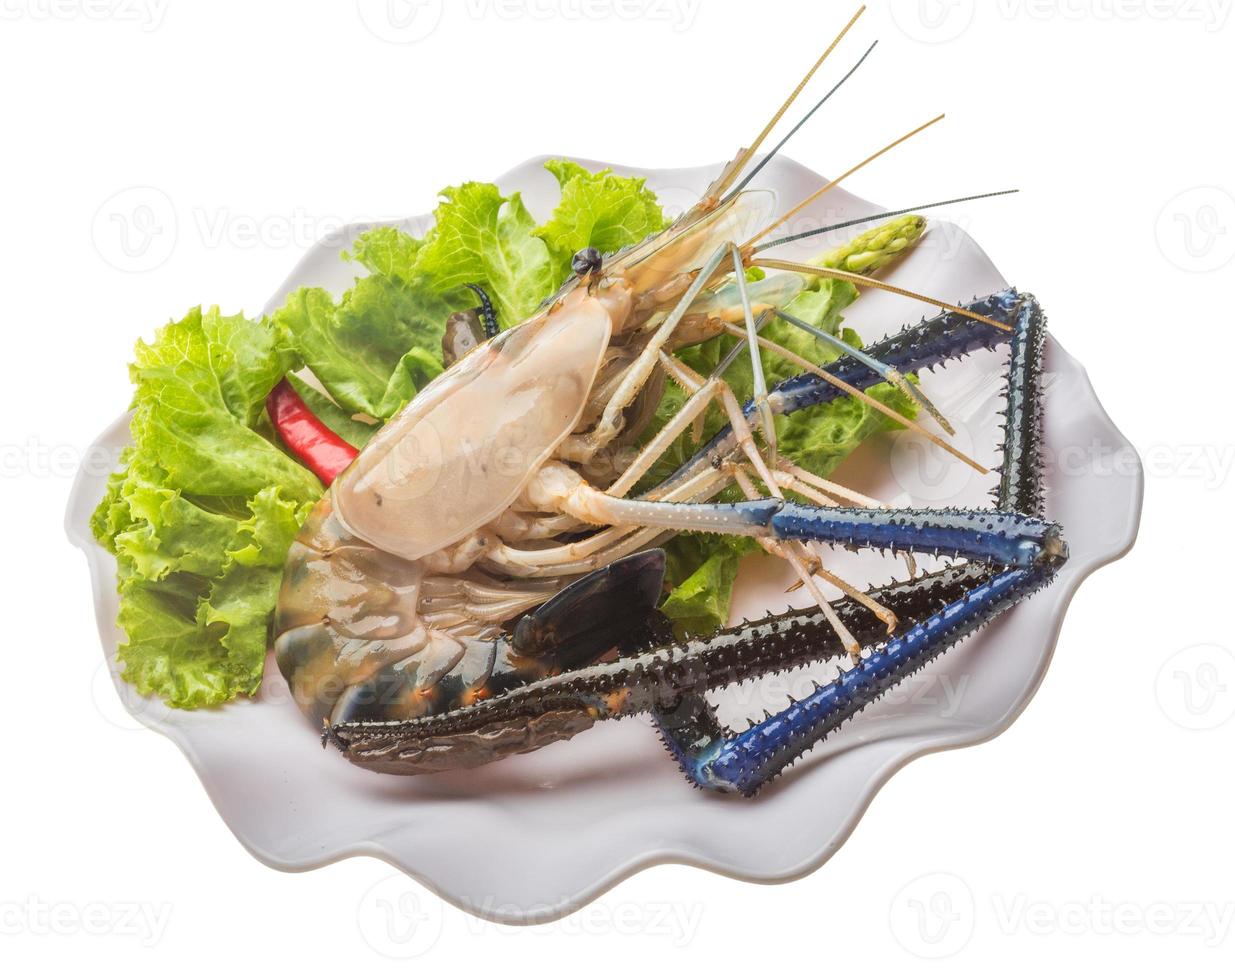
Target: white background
[1095, 833]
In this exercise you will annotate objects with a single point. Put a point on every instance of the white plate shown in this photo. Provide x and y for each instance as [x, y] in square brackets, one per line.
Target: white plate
[535, 837]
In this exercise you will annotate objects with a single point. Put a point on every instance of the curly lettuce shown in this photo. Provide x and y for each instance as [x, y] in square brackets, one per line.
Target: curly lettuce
[203, 510]
[601, 210]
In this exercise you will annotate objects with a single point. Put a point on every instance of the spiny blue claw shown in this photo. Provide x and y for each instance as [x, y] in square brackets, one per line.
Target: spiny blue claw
[984, 535]
[927, 345]
[1013, 536]
[995, 537]
[743, 763]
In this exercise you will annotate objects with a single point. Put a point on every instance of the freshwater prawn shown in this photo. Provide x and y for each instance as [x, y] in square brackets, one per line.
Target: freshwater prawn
[482, 579]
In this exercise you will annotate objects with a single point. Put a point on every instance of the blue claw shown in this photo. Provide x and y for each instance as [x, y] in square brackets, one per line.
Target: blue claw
[1022, 551]
[983, 535]
[743, 763]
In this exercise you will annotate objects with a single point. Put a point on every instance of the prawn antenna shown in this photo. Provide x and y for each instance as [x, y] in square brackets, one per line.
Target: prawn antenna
[825, 272]
[744, 158]
[777, 148]
[879, 217]
[832, 183]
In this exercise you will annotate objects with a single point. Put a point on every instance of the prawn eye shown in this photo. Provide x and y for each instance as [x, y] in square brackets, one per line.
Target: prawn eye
[586, 260]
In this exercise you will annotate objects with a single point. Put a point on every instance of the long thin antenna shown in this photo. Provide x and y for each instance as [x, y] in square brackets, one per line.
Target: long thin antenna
[767, 423]
[746, 155]
[828, 186]
[880, 217]
[859, 280]
[777, 148]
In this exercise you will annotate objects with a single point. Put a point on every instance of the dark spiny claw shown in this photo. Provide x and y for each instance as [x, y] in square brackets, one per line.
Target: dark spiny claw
[485, 311]
[593, 615]
[666, 676]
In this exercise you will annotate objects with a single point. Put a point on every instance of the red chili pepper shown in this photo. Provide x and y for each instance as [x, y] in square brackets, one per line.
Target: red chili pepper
[307, 436]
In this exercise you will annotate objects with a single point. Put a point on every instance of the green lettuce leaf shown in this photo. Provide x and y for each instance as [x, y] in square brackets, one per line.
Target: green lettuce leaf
[197, 590]
[599, 210]
[168, 653]
[820, 305]
[480, 236]
[200, 393]
[705, 568]
[202, 510]
[375, 348]
[387, 251]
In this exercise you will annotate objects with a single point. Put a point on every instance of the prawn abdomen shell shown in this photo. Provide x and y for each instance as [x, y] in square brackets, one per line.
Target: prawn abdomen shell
[461, 452]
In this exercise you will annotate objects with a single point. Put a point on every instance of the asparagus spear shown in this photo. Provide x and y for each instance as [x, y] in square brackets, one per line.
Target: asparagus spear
[865, 254]
[874, 249]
